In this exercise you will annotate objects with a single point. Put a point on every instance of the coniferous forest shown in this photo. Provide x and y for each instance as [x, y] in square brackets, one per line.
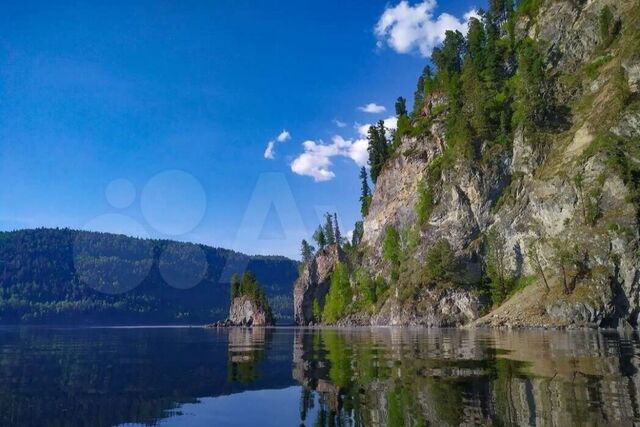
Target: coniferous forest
[67, 277]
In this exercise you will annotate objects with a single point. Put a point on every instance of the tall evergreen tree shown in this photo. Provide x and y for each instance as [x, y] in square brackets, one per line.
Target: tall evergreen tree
[378, 149]
[320, 238]
[328, 229]
[365, 192]
[235, 286]
[306, 251]
[401, 107]
[336, 229]
[424, 88]
[358, 231]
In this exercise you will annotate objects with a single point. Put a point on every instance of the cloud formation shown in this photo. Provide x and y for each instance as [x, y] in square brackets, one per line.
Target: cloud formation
[283, 136]
[407, 28]
[373, 108]
[270, 151]
[339, 123]
[316, 161]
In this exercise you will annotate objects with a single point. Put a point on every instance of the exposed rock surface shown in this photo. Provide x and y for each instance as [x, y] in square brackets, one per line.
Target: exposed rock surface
[541, 204]
[432, 308]
[244, 311]
[314, 281]
[568, 191]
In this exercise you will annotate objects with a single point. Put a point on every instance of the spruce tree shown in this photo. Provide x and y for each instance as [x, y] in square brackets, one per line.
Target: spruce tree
[306, 251]
[378, 149]
[336, 229]
[328, 229]
[320, 238]
[365, 192]
[401, 107]
[358, 231]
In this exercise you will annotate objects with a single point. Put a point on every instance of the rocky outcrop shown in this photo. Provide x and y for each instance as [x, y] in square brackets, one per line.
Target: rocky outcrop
[314, 281]
[246, 311]
[431, 308]
[555, 193]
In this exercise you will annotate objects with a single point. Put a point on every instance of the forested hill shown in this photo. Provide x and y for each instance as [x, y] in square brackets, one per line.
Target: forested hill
[66, 276]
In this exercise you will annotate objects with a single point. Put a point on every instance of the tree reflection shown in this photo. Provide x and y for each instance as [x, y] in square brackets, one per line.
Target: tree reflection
[392, 377]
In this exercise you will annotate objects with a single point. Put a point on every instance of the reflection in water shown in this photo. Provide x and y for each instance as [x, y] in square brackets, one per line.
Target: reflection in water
[368, 377]
[400, 377]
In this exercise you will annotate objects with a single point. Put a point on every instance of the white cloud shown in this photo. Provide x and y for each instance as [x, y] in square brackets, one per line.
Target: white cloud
[372, 107]
[283, 136]
[270, 151]
[390, 123]
[407, 28]
[316, 162]
[339, 123]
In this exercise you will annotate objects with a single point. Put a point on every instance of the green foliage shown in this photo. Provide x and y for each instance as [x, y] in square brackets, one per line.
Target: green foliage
[250, 288]
[565, 258]
[316, 311]
[320, 237]
[441, 264]
[329, 230]
[497, 268]
[378, 148]
[619, 153]
[424, 88]
[591, 69]
[366, 289]
[306, 251]
[365, 192]
[339, 296]
[425, 203]
[530, 106]
[404, 128]
[235, 286]
[51, 276]
[609, 26]
[401, 107]
[391, 250]
[528, 7]
[358, 232]
[336, 229]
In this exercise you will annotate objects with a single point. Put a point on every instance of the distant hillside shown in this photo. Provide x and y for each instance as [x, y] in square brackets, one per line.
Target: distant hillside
[67, 276]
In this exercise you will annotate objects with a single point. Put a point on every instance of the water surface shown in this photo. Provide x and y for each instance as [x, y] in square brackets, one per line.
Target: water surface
[293, 377]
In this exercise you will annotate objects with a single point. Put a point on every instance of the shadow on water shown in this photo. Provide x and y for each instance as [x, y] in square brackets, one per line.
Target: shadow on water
[364, 377]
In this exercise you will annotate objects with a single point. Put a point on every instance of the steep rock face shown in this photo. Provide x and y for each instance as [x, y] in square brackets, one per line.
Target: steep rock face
[246, 312]
[314, 281]
[559, 193]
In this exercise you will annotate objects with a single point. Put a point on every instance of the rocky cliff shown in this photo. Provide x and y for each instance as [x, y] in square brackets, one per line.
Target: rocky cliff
[562, 199]
[543, 218]
[246, 312]
[314, 281]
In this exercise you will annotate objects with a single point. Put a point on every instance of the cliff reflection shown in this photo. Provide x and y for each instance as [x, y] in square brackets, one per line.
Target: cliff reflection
[246, 350]
[396, 377]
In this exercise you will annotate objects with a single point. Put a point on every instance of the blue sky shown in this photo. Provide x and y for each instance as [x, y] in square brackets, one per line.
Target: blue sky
[152, 118]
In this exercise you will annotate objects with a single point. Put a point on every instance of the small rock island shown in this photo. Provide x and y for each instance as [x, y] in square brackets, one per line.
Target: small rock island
[249, 305]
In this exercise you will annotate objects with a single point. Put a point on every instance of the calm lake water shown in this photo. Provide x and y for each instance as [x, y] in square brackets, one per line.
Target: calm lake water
[293, 377]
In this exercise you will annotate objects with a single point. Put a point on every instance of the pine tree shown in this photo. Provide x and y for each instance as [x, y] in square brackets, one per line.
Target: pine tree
[320, 238]
[358, 231]
[328, 229]
[235, 286]
[378, 149]
[336, 229]
[365, 194]
[401, 107]
[306, 251]
[423, 90]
